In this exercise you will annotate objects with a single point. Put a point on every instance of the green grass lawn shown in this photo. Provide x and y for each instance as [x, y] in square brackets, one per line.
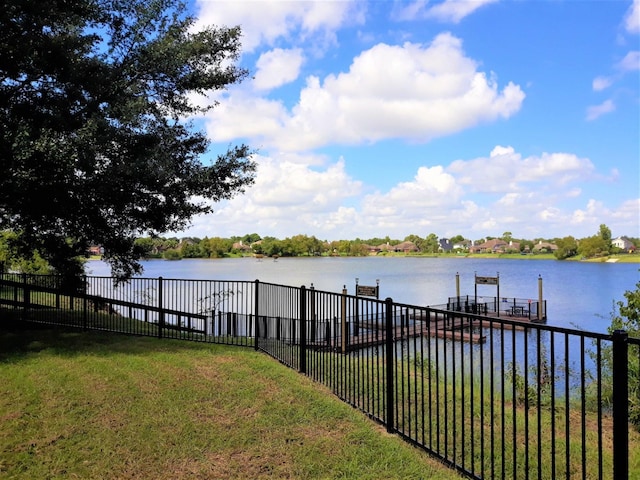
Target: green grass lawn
[98, 405]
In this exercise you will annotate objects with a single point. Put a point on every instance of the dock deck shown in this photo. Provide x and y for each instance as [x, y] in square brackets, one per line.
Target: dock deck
[371, 336]
[450, 327]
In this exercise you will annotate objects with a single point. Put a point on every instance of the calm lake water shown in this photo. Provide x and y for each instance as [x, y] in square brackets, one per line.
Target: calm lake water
[577, 294]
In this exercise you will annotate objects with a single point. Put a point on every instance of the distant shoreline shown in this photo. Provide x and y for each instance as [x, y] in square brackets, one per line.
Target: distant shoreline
[628, 258]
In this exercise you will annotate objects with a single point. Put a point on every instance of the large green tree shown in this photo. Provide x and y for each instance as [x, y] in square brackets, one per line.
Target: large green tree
[567, 247]
[94, 145]
[593, 246]
[431, 244]
[605, 233]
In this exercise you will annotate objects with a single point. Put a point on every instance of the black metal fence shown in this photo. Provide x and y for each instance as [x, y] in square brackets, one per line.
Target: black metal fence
[489, 396]
[199, 310]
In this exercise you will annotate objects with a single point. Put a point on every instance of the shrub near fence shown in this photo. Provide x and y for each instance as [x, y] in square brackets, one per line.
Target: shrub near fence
[491, 397]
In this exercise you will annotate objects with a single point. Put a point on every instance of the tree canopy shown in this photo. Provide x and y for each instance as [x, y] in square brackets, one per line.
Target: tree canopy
[95, 142]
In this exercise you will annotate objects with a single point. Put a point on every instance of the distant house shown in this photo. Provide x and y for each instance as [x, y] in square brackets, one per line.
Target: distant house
[463, 245]
[385, 247]
[241, 247]
[495, 245]
[186, 242]
[96, 250]
[373, 250]
[445, 245]
[623, 243]
[545, 246]
[513, 246]
[405, 247]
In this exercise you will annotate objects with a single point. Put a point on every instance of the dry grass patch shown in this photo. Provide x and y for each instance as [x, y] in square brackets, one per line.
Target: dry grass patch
[95, 405]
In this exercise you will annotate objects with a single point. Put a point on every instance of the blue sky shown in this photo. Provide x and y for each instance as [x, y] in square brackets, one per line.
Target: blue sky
[385, 118]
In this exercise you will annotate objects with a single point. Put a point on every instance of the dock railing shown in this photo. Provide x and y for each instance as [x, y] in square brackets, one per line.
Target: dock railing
[492, 397]
[533, 310]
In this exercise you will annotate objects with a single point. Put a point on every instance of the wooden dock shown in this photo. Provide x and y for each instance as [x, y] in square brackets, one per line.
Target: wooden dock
[372, 335]
[454, 320]
[450, 325]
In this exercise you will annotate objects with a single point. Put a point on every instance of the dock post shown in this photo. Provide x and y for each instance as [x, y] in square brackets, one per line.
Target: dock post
[540, 298]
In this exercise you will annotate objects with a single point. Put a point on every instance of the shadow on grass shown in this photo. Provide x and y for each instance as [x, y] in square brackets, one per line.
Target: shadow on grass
[19, 338]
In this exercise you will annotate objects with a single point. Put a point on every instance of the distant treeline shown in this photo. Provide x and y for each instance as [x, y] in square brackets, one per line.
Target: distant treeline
[304, 245]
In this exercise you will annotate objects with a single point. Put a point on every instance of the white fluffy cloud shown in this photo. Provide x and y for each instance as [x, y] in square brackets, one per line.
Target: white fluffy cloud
[587, 215]
[632, 18]
[277, 67]
[245, 116]
[627, 215]
[506, 171]
[305, 97]
[289, 184]
[263, 22]
[624, 217]
[631, 61]
[421, 93]
[296, 194]
[601, 83]
[596, 111]
[291, 195]
[431, 187]
[447, 11]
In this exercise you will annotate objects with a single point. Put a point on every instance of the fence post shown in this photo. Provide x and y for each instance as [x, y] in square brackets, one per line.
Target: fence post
[356, 319]
[160, 309]
[313, 319]
[57, 287]
[389, 364]
[620, 405]
[303, 329]
[256, 303]
[343, 321]
[26, 297]
[85, 304]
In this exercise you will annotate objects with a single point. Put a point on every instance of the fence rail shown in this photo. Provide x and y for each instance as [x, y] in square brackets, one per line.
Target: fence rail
[489, 396]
